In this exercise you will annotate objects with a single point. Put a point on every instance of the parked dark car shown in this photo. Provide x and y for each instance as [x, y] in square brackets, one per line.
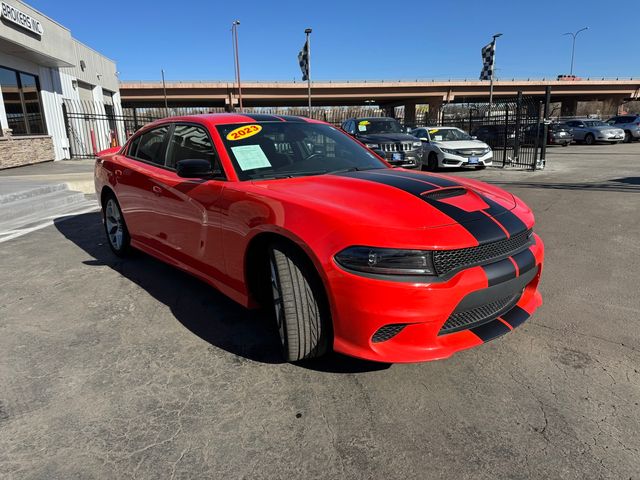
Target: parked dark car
[630, 124]
[388, 139]
[495, 135]
[557, 134]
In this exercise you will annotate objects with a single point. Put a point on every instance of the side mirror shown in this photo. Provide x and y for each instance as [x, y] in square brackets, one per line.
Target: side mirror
[424, 139]
[194, 168]
[473, 137]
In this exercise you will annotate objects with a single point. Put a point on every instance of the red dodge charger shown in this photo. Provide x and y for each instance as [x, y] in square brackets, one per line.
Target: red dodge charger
[375, 262]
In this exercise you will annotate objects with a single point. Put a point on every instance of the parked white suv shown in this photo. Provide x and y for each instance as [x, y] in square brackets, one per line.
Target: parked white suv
[450, 147]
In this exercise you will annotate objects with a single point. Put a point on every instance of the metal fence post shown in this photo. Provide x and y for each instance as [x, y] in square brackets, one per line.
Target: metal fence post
[506, 134]
[545, 116]
[516, 140]
[537, 138]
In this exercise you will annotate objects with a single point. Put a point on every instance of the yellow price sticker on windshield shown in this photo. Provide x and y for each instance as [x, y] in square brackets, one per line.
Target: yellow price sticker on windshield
[365, 122]
[243, 132]
[435, 130]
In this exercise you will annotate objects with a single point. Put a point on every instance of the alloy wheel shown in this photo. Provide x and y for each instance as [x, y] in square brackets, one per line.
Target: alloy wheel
[114, 224]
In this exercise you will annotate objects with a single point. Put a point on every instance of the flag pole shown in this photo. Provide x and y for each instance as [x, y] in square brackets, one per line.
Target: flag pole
[493, 68]
[164, 92]
[308, 32]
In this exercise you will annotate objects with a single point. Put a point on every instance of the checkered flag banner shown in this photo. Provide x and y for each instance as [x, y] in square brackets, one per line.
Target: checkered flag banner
[303, 60]
[488, 53]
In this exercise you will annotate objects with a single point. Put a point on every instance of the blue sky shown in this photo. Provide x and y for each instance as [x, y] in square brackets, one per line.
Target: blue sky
[352, 40]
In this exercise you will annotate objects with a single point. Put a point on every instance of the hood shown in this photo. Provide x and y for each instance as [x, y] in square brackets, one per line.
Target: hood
[387, 137]
[462, 144]
[398, 199]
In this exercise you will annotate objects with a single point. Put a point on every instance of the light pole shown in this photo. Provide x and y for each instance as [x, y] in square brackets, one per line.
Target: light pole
[164, 92]
[236, 58]
[493, 63]
[573, 47]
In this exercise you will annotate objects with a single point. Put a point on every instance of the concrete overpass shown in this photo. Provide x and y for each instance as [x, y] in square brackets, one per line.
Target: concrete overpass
[387, 94]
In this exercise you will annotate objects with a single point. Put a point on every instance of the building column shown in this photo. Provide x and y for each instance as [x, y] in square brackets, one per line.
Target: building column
[569, 107]
[3, 115]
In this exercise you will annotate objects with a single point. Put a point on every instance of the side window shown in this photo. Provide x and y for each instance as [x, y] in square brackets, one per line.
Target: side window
[191, 142]
[133, 146]
[151, 146]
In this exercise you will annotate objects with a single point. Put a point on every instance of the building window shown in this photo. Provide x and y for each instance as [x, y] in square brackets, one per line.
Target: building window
[21, 95]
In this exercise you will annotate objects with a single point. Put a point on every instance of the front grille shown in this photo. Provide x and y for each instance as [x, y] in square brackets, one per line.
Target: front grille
[470, 153]
[478, 315]
[396, 147]
[446, 261]
[387, 332]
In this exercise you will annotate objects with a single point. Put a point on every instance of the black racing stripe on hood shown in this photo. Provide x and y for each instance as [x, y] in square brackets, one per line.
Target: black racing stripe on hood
[441, 182]
[516, 316]
[504, 216]
[491, 330]
[482, 227]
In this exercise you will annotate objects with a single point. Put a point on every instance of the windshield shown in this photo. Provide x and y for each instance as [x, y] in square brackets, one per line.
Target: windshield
[292, 149]
[447, 135]
[595, 123]
[373, 125]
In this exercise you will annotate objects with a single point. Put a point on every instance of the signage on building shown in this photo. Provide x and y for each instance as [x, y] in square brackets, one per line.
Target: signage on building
[14, 15]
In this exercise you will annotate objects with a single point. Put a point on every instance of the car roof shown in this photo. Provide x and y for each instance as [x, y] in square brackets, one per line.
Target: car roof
[440, 128]
[373, 118]
[213, 119]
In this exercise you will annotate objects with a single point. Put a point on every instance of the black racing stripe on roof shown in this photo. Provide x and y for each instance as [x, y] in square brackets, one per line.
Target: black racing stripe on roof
[516, 316]
[263, 117]
[490, 330]
[482, 227]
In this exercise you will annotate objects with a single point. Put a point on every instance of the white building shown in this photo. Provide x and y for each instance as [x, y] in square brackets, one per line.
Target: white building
[41, 67]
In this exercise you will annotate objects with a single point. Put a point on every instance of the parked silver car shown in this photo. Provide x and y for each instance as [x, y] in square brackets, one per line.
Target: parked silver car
[592, 131]
[629, 123]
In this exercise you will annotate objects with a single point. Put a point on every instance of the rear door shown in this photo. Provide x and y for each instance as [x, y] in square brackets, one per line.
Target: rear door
[143, 159]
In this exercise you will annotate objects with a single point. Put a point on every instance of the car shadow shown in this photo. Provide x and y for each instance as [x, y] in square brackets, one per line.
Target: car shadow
[200, 308]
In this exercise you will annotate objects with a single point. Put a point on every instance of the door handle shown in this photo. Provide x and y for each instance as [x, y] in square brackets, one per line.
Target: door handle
[157, 190]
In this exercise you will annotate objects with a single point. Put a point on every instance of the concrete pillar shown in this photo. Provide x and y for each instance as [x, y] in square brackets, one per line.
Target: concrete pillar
[435, 110]
[612, 105]
[410, 114]
[569, 107]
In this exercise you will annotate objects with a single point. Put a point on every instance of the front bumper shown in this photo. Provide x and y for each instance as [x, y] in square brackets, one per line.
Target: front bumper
[409, 159]
[450, 160]
[610, 137]
[361, 306]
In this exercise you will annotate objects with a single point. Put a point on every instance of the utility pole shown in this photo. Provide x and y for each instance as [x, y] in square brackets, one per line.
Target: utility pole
[493, 70]
[236, 58]
[573, 47]
[308, 33]
[164, 91]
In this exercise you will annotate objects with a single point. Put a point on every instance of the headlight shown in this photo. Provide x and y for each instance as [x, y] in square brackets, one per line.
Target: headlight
[386, 261]
[448, 150]
[417, 144]
[486, 150]
[372, 145]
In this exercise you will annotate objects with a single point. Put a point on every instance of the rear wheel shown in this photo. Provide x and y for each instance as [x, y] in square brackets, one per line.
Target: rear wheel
[115, 227]
[627, 136]
[589, 139]
[300, 306]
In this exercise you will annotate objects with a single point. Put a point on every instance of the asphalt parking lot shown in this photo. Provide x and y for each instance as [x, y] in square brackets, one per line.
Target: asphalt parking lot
[131, 369]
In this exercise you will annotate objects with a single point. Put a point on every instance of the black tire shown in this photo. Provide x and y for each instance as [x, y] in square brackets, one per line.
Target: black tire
[589, 139]
[115, 226]
[300, 306]
[432, 162]
[627, 137]
[565, 144]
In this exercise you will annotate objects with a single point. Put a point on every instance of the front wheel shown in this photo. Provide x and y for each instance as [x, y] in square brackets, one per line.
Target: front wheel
[589, 139]
[432, 162]
[300, 306]
[627, 137]
[115, 227]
